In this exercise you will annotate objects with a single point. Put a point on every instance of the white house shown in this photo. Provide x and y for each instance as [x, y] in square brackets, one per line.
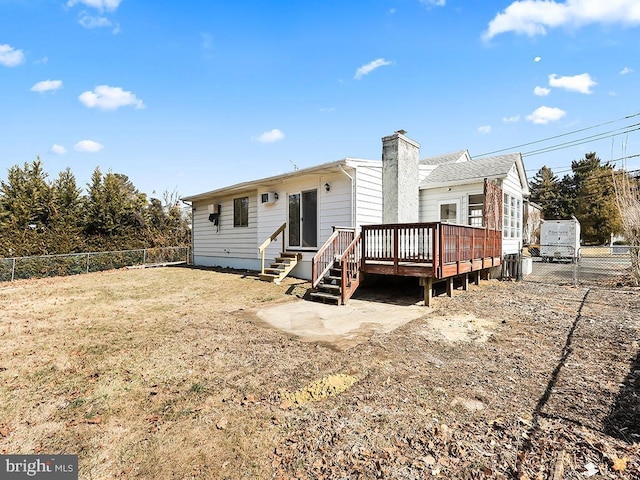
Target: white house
[230, 223]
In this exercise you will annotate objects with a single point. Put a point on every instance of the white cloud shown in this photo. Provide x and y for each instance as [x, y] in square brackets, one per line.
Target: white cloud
[102, 5]
[537, 59]
[105, 97]
[626, 71]
[47, 86]
[370, 67]
[88, 146]
[392, 11]
[544, 115]
[514, 119]
[9, 56]
[484, 129]
[89, 21]
[58, 149]
[271, 136]
[534, 17]
[578, 83]
[541, 91]
[436, 3]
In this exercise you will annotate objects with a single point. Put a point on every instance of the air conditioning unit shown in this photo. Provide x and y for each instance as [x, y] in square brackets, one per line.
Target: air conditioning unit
[214, 208]
[269, 197]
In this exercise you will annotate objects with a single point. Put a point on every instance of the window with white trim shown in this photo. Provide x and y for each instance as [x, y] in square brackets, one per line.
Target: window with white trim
[449, 212]
[511, 217]
[476, 210]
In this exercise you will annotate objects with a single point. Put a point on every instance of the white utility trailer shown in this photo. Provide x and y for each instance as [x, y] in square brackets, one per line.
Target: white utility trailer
[560, 240]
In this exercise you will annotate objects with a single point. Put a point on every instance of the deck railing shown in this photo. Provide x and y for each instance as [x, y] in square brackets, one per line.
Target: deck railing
[351, 259]
[336, 244]
[403, 242]
[438, 244]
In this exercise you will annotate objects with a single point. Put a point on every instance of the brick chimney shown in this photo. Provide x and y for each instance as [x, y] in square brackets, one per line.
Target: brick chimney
[400, 179]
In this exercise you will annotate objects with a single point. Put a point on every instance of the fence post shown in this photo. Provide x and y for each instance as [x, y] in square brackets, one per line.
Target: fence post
[144, 256]
[87, 263]
[13, 270]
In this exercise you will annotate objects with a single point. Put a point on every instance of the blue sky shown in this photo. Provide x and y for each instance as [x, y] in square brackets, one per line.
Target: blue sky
[192, 96]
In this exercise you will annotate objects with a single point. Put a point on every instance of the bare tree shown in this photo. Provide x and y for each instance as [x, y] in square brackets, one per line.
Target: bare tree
[628, 200]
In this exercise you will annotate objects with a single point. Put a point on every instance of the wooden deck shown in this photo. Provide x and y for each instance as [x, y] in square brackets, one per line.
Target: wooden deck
[430, 251]
[436, 250]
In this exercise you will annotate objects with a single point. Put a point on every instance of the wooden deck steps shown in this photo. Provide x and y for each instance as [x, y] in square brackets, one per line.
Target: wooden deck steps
[329, 289]
[281, 267]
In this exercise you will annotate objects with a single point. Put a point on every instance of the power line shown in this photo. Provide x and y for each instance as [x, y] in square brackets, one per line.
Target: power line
[581, 141]
[559, 136]
[567, 169]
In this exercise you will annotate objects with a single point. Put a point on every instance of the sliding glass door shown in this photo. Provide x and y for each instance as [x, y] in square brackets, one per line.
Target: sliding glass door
[303, 219]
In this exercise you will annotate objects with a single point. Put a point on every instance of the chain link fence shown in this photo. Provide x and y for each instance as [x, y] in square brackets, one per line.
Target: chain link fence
[72, 264]
[606, 266]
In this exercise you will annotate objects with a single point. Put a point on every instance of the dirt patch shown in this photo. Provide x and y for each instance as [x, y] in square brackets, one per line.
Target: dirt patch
[168, 373]
[325, 387]
[341, 327]
[459, 328]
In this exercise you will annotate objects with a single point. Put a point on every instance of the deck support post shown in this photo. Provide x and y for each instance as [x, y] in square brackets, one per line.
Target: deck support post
[427, 283]
[477, 278]
[449, 286]
[465, 282]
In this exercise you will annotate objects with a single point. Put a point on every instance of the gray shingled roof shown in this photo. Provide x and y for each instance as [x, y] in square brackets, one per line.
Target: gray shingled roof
[472, 170]
[443, 159]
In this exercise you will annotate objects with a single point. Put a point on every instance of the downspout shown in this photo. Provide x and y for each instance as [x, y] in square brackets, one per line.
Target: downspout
[353, 197]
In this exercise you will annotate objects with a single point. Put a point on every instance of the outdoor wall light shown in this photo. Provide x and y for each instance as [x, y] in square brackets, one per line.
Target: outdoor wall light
[327, 187]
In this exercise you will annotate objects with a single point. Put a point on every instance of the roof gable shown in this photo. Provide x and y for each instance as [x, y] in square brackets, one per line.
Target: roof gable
[447, 158]
[476, 170]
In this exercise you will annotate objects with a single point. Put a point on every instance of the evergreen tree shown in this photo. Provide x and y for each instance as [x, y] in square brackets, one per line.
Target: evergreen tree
[546, 192]
[66, 225]
[26, 206]
[595, 200]
[115, 212]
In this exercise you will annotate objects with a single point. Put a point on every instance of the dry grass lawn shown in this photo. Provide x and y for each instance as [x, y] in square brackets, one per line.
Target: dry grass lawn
[167, 373]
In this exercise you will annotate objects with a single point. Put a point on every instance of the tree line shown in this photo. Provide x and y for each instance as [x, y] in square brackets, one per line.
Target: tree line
[588, 193]
[39, 216]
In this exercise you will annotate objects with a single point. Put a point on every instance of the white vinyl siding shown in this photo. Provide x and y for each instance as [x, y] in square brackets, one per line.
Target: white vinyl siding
[432, 198]
[368, 196]
[224, 241]
[334, 209]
